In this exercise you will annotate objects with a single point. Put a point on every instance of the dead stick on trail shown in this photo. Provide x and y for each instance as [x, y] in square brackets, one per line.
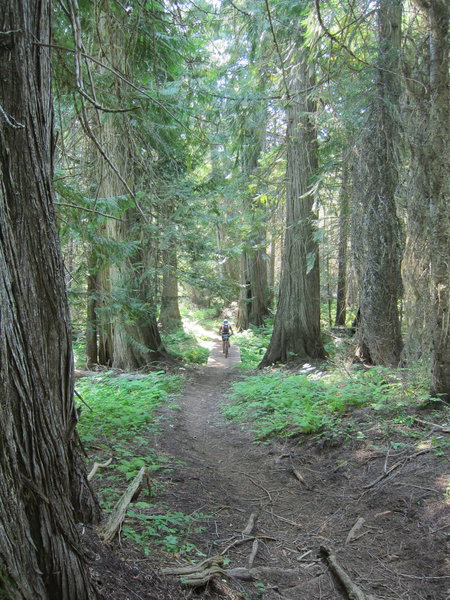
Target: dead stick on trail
[270, 512]
[261, 487]
[442, 428]
[398, 464]
[131, 494]
[250, 524]
[253, 553]
[247, 539]
[354, 530]
[354, 592]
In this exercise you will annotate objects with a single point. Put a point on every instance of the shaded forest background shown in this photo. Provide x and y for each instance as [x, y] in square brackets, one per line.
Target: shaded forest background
[210, 150]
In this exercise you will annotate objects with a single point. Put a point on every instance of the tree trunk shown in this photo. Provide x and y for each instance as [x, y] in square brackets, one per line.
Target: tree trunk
[436, 157]
[242, 321]
[297, 323]
[91, 322]
[344, 226]
[43, 484]
[377, 243]
[259, 291]
[169, 316]
[254, 296]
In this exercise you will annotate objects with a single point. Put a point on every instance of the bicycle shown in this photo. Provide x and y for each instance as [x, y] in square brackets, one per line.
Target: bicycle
[226, 349]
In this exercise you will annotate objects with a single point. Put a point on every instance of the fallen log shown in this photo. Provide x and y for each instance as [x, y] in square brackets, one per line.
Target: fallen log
[131, 494]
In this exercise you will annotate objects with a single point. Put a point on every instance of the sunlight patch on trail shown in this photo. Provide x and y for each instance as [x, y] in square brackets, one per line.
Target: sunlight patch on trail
[200, 333]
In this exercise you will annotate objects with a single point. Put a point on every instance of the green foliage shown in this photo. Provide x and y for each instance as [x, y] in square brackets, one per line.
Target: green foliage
[253, 343]
[122, 417]
[284, 404]
[279, 404]
[122, 407]
[185, 347]
[170, 531]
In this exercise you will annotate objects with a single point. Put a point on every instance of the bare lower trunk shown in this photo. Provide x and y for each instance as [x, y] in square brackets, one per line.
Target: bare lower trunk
[43, 484]
[376, 242]
[91, 321]
[169, 316]
[344, 225]
[242, 322]
[439, 213]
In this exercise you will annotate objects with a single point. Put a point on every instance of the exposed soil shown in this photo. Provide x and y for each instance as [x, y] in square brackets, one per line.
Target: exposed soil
[306, 496]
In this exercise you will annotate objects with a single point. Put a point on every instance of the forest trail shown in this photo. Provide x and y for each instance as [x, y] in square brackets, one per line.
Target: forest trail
[305, 497]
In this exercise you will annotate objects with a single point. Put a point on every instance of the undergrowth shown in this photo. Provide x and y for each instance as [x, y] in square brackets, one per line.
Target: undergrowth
[185, 347]
[253, 344]
[119, 417]
[285, 404]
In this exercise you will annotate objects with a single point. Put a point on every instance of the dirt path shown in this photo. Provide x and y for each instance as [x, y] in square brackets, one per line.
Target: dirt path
[397, 552]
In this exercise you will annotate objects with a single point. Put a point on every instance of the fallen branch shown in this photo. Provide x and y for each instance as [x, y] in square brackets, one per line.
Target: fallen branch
[354, 530]
[299, 476]
[294, 523]
[354, 592]
[261, 487]
[131, 494]
[253, 554]
[98, 466]
[197, 575]
[250, 524]
[82, 400]
[433, 425]
[247, 539]
[398, 464]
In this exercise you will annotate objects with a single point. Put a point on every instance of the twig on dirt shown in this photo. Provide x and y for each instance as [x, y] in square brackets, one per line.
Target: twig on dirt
[387, 459]
[253, 553]
[280, 458]
[419, 487]
[82, 400]
[354, 592]
[354, 530]
[261, 487]
[131, 494]
[98, 466]
[398, 464]
[250, 524]
[270, 512]
[247, 539]
[433, 425]
[299, 476]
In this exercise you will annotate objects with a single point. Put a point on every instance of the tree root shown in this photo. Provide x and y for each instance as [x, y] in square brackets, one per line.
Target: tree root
[354, 592]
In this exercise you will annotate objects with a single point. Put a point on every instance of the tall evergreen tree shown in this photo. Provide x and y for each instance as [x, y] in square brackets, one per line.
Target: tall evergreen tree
[376, 232]
[296, 330]
[427, 268]
[43, 484]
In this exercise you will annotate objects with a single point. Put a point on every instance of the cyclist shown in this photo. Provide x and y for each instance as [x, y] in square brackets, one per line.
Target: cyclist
[225, 330]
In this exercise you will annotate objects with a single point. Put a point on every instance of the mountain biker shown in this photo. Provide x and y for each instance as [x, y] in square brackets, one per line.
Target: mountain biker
[225, 330]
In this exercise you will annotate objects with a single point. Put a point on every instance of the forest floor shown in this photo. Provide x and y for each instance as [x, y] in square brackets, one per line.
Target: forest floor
[285, 516]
